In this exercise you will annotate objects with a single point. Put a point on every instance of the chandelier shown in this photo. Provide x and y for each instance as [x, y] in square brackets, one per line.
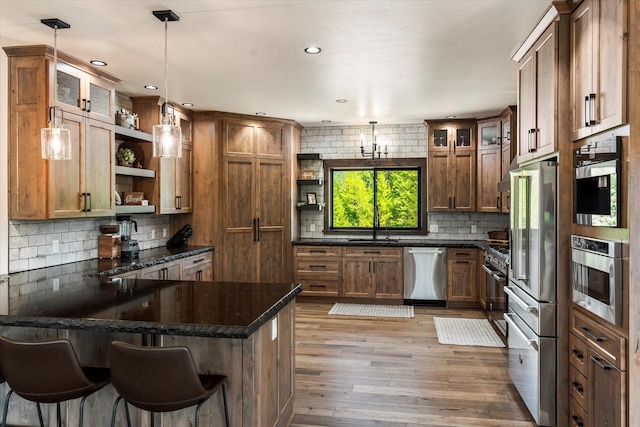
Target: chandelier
[376, 148]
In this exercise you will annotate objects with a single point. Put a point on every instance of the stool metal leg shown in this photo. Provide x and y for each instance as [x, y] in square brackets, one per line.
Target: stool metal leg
[82, 410]
[126, 410]
[6, 408]
[40, 414]
[224, 401]
[58, 414]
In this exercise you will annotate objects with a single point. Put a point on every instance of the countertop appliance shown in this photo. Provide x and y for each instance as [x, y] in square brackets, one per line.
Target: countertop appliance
[596, 279]
[129, 246]
[425, 275]
[495, 265]
[532, 307]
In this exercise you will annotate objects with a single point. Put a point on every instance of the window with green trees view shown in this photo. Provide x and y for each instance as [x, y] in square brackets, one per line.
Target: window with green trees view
[388, 197]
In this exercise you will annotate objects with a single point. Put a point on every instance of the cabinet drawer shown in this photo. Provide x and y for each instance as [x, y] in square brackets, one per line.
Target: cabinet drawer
[607, 343]
[578, 387]
[578, 354]
[577, 414]
[319, 287]
[315, 251]
[318, 265]
[461, 253]
[373, 252]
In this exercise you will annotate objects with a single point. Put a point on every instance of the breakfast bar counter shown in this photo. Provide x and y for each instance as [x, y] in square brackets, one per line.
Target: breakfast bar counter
[242, 330]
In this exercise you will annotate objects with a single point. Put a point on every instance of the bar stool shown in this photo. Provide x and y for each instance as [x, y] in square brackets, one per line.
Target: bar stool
[161, 379]
[47, 372]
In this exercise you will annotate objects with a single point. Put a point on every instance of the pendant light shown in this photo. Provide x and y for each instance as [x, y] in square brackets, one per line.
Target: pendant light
[376, 148]
[56, 140]
[167, 136]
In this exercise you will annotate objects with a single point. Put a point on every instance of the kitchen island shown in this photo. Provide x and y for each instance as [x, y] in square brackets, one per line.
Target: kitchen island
[242, 330]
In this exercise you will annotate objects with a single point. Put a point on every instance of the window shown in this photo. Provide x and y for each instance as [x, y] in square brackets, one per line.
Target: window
[364, 197]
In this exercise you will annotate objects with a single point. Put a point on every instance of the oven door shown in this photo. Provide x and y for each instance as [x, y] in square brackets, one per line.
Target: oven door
[532, 369]
[496, 302]
[596, 194]
[596, 284]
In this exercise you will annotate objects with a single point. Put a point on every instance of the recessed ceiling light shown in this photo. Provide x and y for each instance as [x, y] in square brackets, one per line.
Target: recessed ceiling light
[326, 121]
[341, 101]
[98, 63]
[151, 87]
[261, 113]
[187, 104]
[312, 50]
[450, 117]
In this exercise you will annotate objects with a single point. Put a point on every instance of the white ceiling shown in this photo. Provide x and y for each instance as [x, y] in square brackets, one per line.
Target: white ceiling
[395, 62]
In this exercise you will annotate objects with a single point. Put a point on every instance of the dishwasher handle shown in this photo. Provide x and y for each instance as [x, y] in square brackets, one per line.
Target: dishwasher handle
[424, 251]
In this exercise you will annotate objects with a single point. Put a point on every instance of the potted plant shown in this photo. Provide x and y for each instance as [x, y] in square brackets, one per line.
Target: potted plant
[125, 156]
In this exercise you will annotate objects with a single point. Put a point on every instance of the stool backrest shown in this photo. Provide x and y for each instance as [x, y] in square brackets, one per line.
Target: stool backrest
[35, 370]
[154, 378]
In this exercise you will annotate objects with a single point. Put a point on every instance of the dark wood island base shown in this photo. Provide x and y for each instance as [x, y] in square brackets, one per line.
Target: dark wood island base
[242, 330]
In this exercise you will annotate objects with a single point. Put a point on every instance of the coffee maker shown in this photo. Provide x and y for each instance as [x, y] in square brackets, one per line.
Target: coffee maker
[129, 247]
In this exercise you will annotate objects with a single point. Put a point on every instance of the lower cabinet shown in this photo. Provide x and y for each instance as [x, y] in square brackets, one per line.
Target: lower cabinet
[166, 271]
[461, 277]
[597, 374]
[199, 268]
[196, 267]
[317, 268]
[372, 273]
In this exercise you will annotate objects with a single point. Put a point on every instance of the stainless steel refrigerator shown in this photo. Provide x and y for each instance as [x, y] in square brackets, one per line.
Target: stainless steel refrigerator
[531, 292]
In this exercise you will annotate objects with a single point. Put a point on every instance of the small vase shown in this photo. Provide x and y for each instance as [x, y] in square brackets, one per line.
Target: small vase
[123, 163]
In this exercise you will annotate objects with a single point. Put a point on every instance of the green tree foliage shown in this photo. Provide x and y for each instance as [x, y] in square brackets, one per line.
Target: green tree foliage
[396, 194]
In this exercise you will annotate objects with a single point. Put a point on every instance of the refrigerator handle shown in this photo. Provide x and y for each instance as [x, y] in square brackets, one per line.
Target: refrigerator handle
[521, 243]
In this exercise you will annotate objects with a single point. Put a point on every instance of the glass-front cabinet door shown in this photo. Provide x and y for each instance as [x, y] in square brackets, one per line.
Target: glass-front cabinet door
[81, 93]
[489, 133]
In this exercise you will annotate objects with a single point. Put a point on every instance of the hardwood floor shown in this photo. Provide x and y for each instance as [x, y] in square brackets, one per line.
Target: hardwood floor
[393, 372]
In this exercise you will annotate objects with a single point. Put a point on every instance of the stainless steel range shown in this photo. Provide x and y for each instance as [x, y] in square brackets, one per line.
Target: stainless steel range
[496, 263]
[531, 292]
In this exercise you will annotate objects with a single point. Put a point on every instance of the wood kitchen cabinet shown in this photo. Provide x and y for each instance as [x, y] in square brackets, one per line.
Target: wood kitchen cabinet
[462, 270]
[538, 96]
[597, 380]
[598, 66]
[172, 190]
[82, 186]
[489, 164]
[371, 272]
[509, 125]
[318, 269]
[256, 201]
[452, 165]
[198, 267]
[165, 271]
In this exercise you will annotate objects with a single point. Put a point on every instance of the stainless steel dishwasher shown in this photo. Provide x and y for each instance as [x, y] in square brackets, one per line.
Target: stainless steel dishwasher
[425, 275]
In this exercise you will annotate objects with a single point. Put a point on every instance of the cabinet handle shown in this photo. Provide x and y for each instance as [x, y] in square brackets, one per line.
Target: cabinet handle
[586, 111]
[372, 252]
[197, 260]
[577, 421]
[369, 266]
[601, 363]
[577, 387]
[454, 202]
[255, 234]
[462, 253]
[317, 251]
[461, 262]
[318, 286]
[178, 202]
[590, 335]
[88, 105]
[258, 229]
[90, 202]
[533, 135]
[317, 266]
[577, 354]
[592, 109]
[449, 204]
[498, 202]
[84, 104]
[87, 202]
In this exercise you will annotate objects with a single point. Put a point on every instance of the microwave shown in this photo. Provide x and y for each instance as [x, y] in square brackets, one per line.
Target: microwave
[597, 183]
[596, 277]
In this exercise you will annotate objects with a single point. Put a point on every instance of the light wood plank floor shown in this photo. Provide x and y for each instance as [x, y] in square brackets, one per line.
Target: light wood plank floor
[363, 372]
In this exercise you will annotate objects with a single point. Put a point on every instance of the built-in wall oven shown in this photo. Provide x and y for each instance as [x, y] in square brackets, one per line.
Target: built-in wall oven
[597, 184]
[596, 277]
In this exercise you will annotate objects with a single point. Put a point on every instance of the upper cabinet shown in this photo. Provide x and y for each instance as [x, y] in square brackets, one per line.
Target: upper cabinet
[509, 126]
[84, 185]
[537, 97]
[452, 165]
[172, 190]
[598, 67]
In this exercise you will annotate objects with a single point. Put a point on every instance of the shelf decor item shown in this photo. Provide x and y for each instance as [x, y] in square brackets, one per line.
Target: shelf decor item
[307, 174]
[167, 136]
[125, 156]
[56, 140]
[311, 199]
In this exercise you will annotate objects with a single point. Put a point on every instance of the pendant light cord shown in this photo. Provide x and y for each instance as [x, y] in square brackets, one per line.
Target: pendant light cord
[52, 115]
[166, 68]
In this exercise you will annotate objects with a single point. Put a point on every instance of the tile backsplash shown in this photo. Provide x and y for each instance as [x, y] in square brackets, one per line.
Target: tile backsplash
[32, 244]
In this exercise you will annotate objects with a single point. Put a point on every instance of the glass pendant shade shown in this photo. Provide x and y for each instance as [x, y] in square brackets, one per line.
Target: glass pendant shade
[167, 140]
[56, 143]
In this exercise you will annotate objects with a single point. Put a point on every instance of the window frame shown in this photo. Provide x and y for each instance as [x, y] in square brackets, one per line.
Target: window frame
[359, 164]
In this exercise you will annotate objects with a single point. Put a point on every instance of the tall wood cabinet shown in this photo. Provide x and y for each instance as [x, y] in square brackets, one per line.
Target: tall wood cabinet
[255, 201]
[598, 66]
[84, 185]
[509, 126]
[452, 165]
[172, 190]
[489, 165]
[538, 80]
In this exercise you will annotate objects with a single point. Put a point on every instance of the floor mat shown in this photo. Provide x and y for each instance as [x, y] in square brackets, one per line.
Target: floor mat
[474, 332]
[372, 310]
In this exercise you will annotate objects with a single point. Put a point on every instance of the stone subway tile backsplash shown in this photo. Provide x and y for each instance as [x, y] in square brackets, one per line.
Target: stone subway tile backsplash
[31, 243]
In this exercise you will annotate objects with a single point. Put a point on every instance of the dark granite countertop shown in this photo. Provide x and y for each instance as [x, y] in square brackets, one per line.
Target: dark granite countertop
[147, 258]
[481, 244]
[204, 309]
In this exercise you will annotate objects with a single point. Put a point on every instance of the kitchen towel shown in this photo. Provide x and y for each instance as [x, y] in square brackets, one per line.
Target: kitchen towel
[474, 332]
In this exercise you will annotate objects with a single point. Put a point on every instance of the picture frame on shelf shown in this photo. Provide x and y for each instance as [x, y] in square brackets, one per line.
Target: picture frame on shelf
[312, 199]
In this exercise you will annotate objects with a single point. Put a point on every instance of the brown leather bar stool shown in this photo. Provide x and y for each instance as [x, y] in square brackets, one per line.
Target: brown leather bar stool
[161, 379]
[47, 372]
